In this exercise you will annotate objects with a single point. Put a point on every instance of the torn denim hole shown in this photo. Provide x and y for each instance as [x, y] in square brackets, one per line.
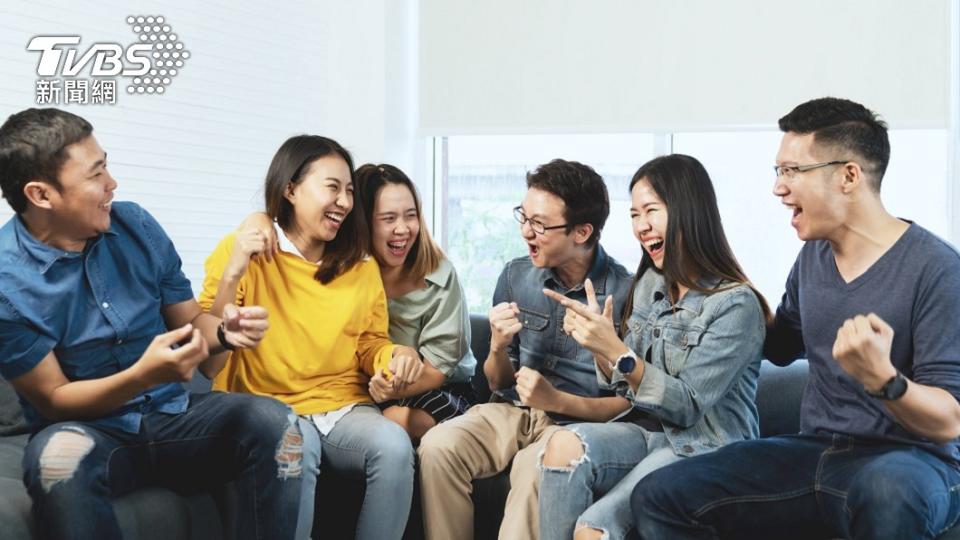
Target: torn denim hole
[62, 455]
[604, 533]
[574, 463]
[289, 454]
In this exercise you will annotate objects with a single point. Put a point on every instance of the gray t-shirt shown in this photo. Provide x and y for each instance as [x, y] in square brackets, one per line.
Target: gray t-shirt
[915, 288]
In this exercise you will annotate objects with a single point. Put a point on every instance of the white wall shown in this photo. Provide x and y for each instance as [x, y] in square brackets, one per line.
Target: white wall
[259, 73]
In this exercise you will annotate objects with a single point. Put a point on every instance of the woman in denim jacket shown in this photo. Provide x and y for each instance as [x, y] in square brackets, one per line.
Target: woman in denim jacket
[686, 366]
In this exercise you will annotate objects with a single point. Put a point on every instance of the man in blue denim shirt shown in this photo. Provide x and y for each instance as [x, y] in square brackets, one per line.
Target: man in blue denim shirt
[872, 303]
[543, 376]
[88, 289]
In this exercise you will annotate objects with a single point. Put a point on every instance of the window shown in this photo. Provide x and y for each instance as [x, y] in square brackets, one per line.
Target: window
[484, 177]
[481, 178]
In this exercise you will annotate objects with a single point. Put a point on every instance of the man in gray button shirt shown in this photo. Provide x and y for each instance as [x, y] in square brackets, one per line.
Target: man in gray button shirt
[540, 375]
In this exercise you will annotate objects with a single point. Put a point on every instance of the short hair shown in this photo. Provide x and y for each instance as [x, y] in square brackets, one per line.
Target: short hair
[33, 146]
[582, 190]
[845, 125]
[425, 256]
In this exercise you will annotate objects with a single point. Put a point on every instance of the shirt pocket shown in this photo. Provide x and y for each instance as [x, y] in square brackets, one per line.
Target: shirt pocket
[533, 339]
[677, 345]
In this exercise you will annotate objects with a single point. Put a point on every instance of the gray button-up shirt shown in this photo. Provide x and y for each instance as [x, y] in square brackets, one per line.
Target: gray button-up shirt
[541, 344]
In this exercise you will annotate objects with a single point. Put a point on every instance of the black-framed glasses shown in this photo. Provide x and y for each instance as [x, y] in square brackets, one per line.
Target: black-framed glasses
[791, 170]
[537, 226]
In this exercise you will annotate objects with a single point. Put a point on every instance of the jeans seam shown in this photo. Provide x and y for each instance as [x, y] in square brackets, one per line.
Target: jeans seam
[751, 498]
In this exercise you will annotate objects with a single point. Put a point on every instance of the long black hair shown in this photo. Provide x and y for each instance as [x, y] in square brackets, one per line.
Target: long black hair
[695, 245]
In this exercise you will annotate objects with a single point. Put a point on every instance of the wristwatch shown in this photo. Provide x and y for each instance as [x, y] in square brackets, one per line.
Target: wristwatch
[894, 389]
[626, 363]
[222, 338]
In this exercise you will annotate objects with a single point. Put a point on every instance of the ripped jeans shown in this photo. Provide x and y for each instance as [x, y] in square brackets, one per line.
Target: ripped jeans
[73, 470]
[597, 486]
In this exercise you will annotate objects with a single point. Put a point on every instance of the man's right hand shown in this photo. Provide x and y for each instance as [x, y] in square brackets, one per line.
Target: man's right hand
[161, 363]
[504, 324]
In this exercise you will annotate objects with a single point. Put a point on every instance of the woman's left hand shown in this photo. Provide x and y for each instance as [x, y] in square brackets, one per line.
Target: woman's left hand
[592, 327]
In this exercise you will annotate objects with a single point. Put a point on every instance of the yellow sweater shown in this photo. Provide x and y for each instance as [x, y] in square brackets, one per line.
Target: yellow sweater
[324, 341]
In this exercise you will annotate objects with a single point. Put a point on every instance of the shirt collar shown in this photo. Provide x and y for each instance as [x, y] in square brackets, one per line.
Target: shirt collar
[441, 275]
[46, 255]
[597, 273]
[693, 300]
[286, 245]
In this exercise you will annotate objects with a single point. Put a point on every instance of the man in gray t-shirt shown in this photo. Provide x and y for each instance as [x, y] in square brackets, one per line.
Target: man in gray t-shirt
[873, 302]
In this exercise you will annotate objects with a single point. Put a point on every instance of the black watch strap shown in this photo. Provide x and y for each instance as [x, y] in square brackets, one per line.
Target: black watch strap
[222, 338]
[895, 388]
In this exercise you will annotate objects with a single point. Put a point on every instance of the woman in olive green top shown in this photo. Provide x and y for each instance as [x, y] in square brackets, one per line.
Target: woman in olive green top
[426, 304]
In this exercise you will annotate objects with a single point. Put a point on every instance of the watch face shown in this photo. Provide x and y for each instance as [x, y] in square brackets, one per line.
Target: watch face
[626, 364]
[896, 388]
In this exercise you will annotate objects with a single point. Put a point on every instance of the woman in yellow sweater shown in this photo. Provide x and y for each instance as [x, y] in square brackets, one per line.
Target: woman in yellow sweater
[328, 333]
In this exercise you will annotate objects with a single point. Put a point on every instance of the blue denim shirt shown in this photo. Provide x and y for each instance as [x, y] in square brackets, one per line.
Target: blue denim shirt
[705, 351]
[541, 344]
[97, 310]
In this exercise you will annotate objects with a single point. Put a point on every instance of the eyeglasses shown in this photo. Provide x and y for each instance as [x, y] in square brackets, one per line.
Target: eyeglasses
[791, 170]
[537, 226]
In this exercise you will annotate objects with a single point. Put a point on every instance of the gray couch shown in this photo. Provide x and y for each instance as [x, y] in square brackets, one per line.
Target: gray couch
[162, 514]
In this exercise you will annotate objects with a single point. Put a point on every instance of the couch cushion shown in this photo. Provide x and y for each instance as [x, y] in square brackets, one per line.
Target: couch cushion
[779, 392]
[11, 413]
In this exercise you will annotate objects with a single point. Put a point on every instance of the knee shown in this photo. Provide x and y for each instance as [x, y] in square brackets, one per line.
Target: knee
[588, 533]
[564, 449]
[882, 491]
[60, 457]
[653, 492]
[391, 444]
[440, 443]
[291, 450]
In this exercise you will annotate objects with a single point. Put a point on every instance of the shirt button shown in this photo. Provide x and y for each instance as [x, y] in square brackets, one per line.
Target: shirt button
[656, 332]
[105, 305]
[687, 449]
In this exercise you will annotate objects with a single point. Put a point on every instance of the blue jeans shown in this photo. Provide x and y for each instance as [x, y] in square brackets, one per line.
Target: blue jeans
[801, 486]
[362, 442]
[597, 487]
[72, 470]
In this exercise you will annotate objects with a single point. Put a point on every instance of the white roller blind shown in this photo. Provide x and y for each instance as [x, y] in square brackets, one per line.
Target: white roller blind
[196, 156]
[648, 65]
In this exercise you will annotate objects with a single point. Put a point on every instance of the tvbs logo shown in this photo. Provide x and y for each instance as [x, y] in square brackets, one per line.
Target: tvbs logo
[108, 58]
[149, 63]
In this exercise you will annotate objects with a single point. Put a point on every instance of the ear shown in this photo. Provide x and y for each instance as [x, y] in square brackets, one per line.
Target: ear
[582, 232]
[39, 193]
[853, 178]
[289, 192]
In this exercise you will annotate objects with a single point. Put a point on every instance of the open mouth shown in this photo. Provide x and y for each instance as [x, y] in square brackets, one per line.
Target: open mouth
[796, 211]
[534, 250]
[106, 206]
[334, 219]
[654, 247]
[397, 248]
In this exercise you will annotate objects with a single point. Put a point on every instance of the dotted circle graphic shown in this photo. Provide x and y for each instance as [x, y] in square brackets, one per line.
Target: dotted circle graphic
[166, 51]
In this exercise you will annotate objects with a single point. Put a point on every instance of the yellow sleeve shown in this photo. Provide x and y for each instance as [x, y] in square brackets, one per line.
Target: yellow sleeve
[374, 348]
[213, 268]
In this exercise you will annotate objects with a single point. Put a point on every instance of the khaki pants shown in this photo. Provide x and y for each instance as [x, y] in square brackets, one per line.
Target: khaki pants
[481, 444]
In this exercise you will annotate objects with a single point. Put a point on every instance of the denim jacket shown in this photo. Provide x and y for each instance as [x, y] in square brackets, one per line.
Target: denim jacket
[541, 344]
[704, 360]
